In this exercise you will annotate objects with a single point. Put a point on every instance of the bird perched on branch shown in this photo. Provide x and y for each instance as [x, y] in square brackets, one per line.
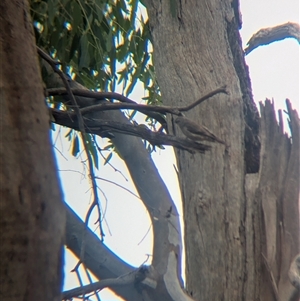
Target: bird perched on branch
[196, 132]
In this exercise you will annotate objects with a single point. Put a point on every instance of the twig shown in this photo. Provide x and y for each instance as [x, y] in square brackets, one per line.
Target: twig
[91, 94]
[60, 152]
[114, 183]
[203, 98]
[104, 210]
[126, 279]
[106, 95]
[88, 214]
[47, 58]
[115, 169]
[145, 109]
[72, 170]
[272, 279]
[130, 104]
[91, 281]
[81, 126]
[145, 237]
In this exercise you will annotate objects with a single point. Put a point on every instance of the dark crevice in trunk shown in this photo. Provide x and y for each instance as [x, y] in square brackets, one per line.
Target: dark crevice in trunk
[252, 142]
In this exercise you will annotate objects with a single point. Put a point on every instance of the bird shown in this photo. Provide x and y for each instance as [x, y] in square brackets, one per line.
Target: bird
[196, 132]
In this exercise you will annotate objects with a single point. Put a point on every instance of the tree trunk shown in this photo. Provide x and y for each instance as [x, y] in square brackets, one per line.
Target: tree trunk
[230, 251]
[32, 219]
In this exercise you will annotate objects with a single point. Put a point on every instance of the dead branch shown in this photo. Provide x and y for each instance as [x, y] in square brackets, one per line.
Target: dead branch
[99, 127]
[127, 103]
[203, 98]
[269, 35]
[126, 279]
[110, 95]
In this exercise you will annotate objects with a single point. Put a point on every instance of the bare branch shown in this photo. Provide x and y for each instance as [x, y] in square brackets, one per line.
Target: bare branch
[156, 138]
[114, 168]
[130, 104]
[129, 278]
[118, 185]
[269, 35]
[100, 260]
[127, 103]
[145, 109]
[203, 98]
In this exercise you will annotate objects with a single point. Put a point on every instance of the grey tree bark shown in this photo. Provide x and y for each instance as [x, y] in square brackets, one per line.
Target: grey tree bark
[32, 220]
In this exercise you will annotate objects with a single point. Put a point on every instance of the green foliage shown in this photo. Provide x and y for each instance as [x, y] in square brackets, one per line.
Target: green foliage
[100, 44]
[92, 149]
[75, 147]
[90, 142]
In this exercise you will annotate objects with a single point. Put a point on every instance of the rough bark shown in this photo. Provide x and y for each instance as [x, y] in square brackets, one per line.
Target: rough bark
[190, 59]
[278, 193]
[32, 222]
[227, 221]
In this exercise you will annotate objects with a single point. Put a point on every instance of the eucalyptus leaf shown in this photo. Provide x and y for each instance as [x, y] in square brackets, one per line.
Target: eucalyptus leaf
[75, 146]
[84, 57]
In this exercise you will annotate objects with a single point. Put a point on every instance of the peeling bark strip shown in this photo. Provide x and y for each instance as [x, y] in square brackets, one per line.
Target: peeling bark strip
[269, 35]
[274, 195]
